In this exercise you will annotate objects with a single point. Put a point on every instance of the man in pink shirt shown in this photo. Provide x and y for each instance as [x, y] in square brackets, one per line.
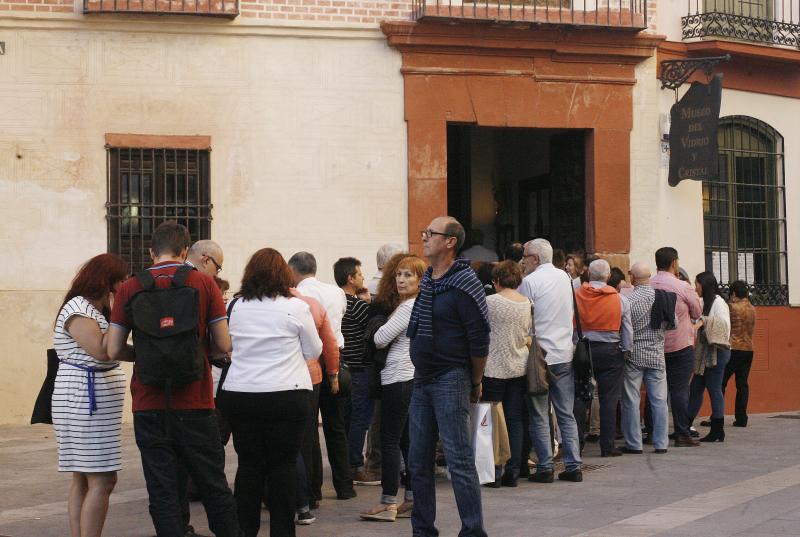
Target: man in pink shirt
[678, 343]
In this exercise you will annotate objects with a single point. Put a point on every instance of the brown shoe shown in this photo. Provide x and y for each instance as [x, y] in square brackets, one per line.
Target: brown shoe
[366, 477]
[686, 441]
[381, 513]
[404, 509]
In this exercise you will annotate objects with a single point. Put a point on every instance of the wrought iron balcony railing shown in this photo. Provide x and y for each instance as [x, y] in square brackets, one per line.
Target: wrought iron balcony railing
[619, 14]
[208, 8]
[762, 21]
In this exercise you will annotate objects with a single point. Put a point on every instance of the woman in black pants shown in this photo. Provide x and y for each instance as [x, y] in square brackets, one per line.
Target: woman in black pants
[397, 291]
[267, 391]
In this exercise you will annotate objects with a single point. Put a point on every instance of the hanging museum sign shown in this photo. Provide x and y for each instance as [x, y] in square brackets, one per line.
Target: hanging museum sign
[693, 133]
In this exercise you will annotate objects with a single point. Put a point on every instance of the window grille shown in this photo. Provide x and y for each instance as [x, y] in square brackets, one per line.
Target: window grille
[744, 213]
[149, 186]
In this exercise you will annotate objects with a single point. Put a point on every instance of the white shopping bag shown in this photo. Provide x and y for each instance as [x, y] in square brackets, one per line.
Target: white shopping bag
[481, 419]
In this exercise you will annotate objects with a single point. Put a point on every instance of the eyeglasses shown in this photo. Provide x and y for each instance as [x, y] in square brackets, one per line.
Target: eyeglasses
[217, 265]
[428, 233]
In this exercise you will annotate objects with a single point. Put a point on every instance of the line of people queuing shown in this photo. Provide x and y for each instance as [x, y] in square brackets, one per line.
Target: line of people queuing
[394, 363]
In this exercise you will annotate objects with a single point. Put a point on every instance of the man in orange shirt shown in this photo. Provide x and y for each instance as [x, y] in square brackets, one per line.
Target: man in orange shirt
[310, 449]
[605, 317]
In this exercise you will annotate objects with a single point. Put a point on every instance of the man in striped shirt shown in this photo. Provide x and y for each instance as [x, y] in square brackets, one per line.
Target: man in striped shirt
[350, 279]
[646, 361]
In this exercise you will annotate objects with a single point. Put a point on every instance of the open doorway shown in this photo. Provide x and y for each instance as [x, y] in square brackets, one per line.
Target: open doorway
[515, 184]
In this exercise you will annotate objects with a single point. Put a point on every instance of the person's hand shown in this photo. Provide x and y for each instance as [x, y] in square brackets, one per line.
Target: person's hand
[334, 381]
[475, 394]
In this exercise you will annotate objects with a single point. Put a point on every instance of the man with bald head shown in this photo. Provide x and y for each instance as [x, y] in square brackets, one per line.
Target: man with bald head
[449, 332]
[652, 311]
[206, 256]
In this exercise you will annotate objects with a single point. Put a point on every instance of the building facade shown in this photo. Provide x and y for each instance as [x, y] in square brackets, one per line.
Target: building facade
[335, 126]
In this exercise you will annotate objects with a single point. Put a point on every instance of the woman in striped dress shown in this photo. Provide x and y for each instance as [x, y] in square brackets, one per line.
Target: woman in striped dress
[88, 394]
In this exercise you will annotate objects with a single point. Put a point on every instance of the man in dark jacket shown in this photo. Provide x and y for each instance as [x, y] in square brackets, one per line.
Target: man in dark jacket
[449, 334]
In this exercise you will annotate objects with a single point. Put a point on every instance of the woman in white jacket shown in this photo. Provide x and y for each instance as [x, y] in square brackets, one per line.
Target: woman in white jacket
[267, 391]
[716, 324]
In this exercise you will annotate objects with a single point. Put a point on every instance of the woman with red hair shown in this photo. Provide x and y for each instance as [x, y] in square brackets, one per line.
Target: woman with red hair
[88, 394]
[267, 391]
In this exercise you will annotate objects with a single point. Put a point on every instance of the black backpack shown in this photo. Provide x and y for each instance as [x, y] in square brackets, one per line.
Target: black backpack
[165, 331]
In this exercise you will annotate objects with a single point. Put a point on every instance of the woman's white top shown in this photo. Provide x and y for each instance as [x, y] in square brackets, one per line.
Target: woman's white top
[398, 362]
[510, 323]
[271, 339]
[720, 313]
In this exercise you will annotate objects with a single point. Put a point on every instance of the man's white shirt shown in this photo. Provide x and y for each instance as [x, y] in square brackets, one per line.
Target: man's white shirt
[332, 299]
[550, 290]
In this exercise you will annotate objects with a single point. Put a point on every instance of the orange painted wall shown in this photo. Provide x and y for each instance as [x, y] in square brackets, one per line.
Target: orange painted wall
[775, 375]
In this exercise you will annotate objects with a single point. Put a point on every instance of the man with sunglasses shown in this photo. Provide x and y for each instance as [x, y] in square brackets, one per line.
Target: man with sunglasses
[206, 256]
[449, 333]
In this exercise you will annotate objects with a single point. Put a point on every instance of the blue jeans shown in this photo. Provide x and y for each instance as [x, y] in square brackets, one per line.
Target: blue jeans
[361, 407]
[562, 397]
[656, 382]
[711, 380]
[441, 406]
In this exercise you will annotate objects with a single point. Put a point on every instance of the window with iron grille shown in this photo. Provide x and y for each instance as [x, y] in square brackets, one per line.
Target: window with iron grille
[149, 186]
[744, 212]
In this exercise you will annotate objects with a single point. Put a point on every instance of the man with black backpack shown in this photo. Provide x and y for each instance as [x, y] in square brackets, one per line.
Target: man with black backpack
[177, 316]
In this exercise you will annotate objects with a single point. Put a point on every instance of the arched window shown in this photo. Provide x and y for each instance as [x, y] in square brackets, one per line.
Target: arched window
[744, 212]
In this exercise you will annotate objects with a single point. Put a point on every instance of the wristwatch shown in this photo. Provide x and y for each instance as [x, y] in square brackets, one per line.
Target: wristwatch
[478, 384]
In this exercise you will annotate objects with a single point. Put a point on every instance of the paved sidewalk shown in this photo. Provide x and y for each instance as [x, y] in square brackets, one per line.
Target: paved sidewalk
[748, 486]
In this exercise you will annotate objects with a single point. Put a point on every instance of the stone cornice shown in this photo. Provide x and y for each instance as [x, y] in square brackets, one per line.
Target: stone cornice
[560, 44]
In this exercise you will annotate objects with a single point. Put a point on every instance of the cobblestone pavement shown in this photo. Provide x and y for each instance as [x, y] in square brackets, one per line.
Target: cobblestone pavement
[748, 486]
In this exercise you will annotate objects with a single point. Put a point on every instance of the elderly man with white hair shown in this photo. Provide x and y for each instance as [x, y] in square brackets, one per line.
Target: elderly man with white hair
[606, 322]
[383, 256]
[550, 290]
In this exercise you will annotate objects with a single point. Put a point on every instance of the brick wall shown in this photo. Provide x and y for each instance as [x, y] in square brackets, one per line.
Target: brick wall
[41, 6]
[361, 12]
[349, 11]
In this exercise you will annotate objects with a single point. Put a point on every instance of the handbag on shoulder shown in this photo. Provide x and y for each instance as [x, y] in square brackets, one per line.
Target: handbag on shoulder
[537, 373]
[42, 409]
[582, 358]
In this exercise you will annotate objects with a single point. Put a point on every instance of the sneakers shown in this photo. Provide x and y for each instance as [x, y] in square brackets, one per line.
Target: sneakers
[305, 519]
[405, 508]
[381, 513]
[631, 451]
[576, 476]
[366, 477]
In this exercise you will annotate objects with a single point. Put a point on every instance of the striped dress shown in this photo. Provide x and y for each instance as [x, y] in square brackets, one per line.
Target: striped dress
[87, 441]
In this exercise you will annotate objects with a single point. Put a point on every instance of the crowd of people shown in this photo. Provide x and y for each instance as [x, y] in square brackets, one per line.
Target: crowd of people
[391, 364]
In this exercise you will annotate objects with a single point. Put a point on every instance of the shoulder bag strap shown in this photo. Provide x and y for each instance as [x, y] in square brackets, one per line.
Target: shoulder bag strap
[180, 276]
[577, 315]
[146, 279]
[224, 373]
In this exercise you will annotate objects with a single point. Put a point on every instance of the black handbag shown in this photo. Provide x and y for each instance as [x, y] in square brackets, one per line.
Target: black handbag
[582, 358]
[43, 407]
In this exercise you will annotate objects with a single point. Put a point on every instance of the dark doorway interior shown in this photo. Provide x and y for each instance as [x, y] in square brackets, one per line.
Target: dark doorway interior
[517, 184]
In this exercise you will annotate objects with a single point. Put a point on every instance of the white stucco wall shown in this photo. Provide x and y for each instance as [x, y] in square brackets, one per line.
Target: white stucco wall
[308, 151]
[660, 214]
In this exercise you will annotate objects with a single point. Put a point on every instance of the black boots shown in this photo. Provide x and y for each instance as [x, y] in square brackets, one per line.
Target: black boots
[717, 433]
